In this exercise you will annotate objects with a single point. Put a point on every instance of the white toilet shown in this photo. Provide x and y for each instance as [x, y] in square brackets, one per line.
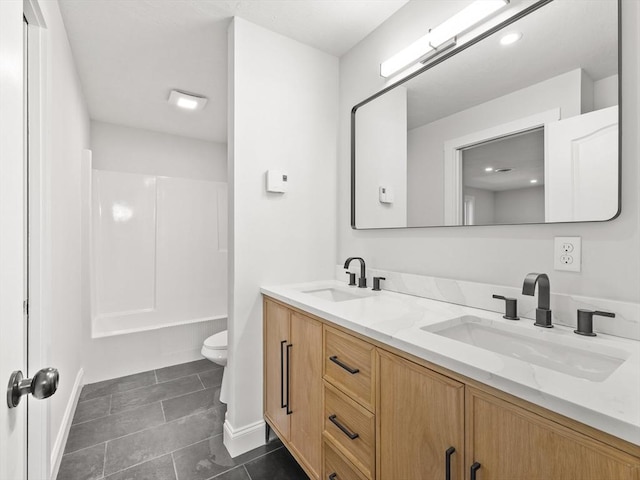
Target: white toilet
[215, 349]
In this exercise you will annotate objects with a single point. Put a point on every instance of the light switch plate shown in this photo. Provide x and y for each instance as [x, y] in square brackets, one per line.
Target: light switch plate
[567, 254]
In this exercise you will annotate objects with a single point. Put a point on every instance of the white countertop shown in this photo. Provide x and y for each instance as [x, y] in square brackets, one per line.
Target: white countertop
[395, 319]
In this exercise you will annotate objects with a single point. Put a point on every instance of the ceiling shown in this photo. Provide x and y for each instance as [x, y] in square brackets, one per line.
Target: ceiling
[559, 37]
[522, 154]
[131, 53]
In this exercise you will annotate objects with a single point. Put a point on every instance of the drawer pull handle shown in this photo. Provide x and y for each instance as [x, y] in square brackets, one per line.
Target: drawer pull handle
[474, 468]
[344, 429]
[282, 403]
[352, 371]
[447, 465]
[333, 476]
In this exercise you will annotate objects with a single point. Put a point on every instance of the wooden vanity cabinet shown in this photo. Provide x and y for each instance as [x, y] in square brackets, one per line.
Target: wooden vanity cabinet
[409, 419]
[512, 443]
[293, 382]
[420, 417]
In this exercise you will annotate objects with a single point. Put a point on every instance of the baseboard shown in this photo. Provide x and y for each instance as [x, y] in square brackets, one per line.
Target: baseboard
[65, 426]
[241, 440]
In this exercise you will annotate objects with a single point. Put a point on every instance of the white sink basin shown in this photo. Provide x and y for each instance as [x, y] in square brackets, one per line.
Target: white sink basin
[335, 294]
[515, 342]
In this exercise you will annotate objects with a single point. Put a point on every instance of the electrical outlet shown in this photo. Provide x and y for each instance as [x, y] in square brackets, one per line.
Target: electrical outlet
[567, 254]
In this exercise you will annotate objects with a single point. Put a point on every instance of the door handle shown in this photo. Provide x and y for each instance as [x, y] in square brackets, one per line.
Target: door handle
[474, 468]
[43, 384]
[282, 404]
[288, 411]
[447, 465]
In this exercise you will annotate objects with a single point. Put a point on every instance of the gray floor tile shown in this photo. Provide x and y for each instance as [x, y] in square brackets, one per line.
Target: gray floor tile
[210, 457]
[184, 369]
[113, 426]
[212, 378]
[155, 442]
[238, 473]
[86, 464]
[277, 465]
[154, 393]
[92, 409]
[200, 401]
[116, 385]
[157, 469]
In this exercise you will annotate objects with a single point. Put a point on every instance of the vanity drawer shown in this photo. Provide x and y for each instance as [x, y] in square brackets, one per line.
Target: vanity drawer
[336, 467]
[349, 365]
[351, 428]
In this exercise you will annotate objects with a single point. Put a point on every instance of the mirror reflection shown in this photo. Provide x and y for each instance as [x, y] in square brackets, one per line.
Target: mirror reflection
[500, 133]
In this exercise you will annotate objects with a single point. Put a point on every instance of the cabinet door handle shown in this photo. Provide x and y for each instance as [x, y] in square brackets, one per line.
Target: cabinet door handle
[333, 476]
[474, 468]
[289, 412]
[282, 404]
[447, 462]
[344, 429]
[352, 371]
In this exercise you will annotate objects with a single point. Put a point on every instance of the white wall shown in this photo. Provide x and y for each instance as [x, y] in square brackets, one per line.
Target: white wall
[425, 163]
[381, 146]
[283, 110]
[484, 205]
[500, 255]
[605, 92]
[68, 136]
[134, 150]
[521, 205]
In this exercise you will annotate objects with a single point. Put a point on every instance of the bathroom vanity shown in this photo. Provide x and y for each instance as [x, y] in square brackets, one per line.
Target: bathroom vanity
[354, 398]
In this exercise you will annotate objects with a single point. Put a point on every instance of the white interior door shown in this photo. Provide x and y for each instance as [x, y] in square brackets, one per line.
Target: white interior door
[581, 167]
[13, 331]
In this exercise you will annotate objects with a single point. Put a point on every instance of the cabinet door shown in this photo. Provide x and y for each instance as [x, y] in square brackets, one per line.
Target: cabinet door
[276, 339]
[512, 443]
[420, 416]
[306, 390]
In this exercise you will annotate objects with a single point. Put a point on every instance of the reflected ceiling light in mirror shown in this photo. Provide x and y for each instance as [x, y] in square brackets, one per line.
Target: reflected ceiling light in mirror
[443, 33]
[510, 38]
[187, 101]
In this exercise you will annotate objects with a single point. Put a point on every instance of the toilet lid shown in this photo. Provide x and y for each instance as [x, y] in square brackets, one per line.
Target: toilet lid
[217, 341]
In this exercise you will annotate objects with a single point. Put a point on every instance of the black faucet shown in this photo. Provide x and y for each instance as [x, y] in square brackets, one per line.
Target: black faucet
[362, 281]
[543, 312]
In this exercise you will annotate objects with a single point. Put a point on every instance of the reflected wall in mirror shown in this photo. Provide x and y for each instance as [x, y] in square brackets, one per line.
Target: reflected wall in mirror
[499, 134]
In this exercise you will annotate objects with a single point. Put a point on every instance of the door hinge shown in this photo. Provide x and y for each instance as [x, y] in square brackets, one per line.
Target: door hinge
[25, 307]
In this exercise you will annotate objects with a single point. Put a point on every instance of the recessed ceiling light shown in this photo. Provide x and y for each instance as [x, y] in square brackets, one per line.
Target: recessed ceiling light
[488, 169]
[533, 181]
[187, 101]
[510, 38]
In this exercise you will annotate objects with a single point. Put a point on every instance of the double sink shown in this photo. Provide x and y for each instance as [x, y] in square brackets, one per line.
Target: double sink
[572, 356]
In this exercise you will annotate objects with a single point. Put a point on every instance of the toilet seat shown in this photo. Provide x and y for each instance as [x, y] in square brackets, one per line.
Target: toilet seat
[217, 341]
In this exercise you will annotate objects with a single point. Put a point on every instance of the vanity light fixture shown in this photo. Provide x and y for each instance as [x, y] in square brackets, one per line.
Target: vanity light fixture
[443, 33]
[187, 101]
[510, 38]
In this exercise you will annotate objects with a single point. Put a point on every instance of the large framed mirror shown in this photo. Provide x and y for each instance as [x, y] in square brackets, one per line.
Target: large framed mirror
[494, 134]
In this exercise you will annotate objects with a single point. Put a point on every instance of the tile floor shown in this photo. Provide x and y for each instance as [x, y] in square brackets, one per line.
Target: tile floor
[164, 424]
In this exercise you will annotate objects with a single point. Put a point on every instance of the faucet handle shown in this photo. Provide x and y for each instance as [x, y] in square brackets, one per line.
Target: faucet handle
[511, 307]
[352, 278]
[376, 283]
[585, 321]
